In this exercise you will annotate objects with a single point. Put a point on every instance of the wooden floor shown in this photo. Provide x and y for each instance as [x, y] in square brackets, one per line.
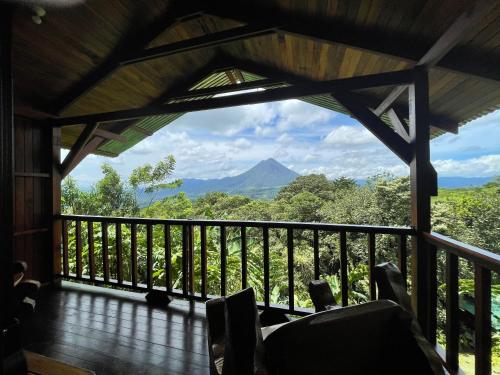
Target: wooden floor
[115, 332]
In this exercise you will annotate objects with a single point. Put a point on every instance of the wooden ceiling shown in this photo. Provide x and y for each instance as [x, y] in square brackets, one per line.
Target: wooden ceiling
[68, 65]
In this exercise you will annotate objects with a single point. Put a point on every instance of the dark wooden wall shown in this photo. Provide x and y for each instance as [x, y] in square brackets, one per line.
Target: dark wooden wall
[33, 197]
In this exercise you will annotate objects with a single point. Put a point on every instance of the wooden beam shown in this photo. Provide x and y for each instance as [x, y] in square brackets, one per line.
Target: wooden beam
[6, 168]
[376, 126]
[389, 100]
[134, 43]
[105, 134]
[205, 41]
[89, 148]
[450, 38]
[282, 93]
[69, 162]
[56, 223]
[366, 38]
[457, 32]
[399, 125]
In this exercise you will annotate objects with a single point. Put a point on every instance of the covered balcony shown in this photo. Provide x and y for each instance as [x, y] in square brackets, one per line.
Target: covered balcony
[98, 77]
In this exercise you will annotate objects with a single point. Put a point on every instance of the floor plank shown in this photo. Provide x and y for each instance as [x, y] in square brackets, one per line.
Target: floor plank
[116, 332]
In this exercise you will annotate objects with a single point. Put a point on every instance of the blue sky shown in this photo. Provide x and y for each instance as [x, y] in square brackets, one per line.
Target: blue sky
[304, 137]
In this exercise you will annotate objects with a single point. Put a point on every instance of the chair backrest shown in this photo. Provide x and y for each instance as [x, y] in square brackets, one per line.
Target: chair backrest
[244, 348]
[371, 338]
[391, 285]
[321, 295]
[215, 333]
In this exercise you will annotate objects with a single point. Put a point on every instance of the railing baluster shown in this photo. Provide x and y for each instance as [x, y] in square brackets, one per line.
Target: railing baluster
[184, 260]
[452, 317]
[119, 251]
[191, 258]
[90, 235]
[223, 261]
[78, 244]
[149, 255]
[265, 238]
[482, 299]
[291, 281]
[133, 253]
[203, 251]
[371, 264]
[402, 257]
[316, 253]
[105, 251]
[343, 269]
[168, 258]
[65, 247]
[244, 261]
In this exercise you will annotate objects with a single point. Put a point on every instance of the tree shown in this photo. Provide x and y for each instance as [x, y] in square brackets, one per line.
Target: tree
[153, 178]
[114, 196]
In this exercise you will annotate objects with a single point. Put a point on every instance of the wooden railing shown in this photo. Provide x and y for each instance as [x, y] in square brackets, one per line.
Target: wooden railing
[484, 263]
[188, 261]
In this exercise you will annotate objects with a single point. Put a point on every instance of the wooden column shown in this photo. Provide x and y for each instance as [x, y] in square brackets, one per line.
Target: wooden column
[56, 204]
[6, 164]
[422, 181]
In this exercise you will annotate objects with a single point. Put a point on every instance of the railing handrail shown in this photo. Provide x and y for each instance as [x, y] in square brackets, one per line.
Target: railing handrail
[485, 258]
[332, 227]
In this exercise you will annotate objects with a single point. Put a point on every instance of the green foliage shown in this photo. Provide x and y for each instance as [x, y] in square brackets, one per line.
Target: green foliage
[469, 215]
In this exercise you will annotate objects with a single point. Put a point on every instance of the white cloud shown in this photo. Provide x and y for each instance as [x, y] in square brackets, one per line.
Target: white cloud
[348, 135]
[484, 166]
[284, 139]
[297, 114]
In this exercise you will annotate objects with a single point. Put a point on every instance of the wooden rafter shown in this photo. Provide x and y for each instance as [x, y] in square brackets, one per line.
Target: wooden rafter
[376, 126]
[77, 152]
[105, 134]
[205, 41]
[132, 44]
[282, 93]
[370, 39]
[450, 38]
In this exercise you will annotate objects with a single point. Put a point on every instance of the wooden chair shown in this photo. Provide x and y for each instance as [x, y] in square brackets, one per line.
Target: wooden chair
[371, 338]
[392, 286]
[235, 336]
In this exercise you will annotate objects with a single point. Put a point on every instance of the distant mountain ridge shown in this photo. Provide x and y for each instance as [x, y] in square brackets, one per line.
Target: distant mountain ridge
[261, 181]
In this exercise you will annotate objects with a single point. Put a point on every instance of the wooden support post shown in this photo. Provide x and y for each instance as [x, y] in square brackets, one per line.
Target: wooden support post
[423, 259]
[56, 204]
[6, 167]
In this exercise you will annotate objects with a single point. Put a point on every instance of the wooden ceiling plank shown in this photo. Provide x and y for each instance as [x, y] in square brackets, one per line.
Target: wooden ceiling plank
[138, 43]
[397, 45]
[69, 161]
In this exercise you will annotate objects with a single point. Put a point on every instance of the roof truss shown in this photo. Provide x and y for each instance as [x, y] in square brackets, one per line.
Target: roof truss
[135, 42]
